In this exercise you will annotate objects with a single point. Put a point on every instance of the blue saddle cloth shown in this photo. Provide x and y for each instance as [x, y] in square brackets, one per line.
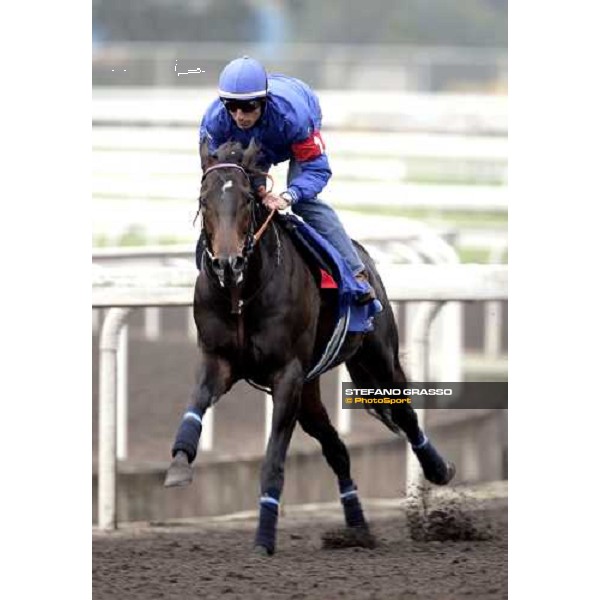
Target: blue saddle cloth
[357, 318]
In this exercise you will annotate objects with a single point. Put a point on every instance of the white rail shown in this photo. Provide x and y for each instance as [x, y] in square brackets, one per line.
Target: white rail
[404, 283]
[121, 290]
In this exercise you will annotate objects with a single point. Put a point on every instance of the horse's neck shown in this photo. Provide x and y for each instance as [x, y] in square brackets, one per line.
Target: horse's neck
[266, 257]
[259, 269]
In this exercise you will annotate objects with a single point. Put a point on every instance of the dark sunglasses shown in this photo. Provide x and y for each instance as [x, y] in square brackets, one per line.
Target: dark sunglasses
[246, 106]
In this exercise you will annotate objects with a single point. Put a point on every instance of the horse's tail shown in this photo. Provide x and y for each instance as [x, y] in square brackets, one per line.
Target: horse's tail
[384, 322]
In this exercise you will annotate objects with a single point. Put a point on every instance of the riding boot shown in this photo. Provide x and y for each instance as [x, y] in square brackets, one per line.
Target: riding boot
[369, 295]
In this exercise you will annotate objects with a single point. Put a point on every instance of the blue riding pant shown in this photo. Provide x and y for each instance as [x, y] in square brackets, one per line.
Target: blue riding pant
[321, 217]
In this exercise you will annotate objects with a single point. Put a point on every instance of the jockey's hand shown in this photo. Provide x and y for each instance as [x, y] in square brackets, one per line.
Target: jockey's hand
[261, 191]
[274, 202]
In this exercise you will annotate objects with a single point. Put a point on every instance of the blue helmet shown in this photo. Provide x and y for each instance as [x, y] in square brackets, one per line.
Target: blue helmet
[243, 79]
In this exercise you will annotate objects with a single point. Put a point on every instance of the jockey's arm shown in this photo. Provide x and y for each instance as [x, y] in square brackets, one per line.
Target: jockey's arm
[315, 171]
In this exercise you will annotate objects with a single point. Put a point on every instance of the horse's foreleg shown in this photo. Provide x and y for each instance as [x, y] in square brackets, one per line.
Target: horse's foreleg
[287, 386]
[213, 379]
[315, 421]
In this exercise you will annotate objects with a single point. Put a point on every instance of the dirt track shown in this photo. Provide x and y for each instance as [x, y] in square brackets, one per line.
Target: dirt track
[212, 558]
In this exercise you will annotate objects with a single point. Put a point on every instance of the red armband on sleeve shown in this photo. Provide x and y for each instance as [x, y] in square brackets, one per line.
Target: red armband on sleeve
[310, 148]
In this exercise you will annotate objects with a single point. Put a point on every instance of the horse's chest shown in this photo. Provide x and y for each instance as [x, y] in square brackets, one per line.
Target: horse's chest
[240, 341]
[258, 351]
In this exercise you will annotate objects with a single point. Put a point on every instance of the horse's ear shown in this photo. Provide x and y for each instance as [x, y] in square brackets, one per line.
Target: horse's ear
[206, 160]
[250, 154]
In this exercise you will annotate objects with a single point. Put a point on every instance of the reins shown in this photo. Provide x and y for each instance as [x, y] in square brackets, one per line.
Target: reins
[264, 226]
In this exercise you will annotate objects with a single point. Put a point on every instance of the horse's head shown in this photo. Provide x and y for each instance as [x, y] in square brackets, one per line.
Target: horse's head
[226, 203]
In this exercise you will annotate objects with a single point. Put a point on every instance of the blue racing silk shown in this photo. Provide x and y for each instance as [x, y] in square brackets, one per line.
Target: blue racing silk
[288, 129]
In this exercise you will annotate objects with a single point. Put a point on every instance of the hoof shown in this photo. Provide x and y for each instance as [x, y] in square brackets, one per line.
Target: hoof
[451, 473]
[179, 472]
[263, 551]
[443, 478]
[436, 470]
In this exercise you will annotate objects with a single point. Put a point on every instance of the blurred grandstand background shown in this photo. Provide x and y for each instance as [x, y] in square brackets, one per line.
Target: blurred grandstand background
[404, 45]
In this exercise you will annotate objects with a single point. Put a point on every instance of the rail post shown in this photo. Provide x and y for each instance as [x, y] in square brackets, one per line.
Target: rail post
[122, 391]
[417, 491]
[107, 463]
[344, 415]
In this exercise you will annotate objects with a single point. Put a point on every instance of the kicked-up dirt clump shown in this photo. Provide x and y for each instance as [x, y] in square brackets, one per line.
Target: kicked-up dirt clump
[457, 518]
[454, 524]
[348, 537]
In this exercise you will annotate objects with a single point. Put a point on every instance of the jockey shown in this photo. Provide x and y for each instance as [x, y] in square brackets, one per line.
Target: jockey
[283, 116]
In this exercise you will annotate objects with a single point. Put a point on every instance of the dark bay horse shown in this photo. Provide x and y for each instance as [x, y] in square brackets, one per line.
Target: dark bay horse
[260, 316]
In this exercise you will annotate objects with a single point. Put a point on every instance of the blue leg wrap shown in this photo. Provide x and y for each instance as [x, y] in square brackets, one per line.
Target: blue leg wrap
[267, 520]
[188, 434]
[352, 508]
[434, 466]
[420, 441]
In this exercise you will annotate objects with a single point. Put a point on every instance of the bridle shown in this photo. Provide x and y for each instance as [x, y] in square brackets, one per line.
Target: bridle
[251, 238]
[250, 241]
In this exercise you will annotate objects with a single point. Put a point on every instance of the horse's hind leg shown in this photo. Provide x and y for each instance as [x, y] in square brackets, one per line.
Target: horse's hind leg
[375, 365]
[315, 421]
[435, 468]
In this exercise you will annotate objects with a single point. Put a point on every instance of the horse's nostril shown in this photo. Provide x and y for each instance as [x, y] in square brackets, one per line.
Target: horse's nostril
[235, 262]
[219, 264]
[238, 263]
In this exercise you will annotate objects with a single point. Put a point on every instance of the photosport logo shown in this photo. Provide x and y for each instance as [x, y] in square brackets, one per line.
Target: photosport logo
[488, 394]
